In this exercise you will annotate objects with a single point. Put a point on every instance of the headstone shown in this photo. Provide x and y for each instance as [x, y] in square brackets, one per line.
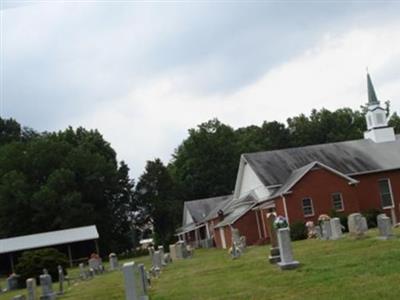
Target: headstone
[113, 261]
[326, 230]
[12, 282]
[19, 297]
[336, 229]
[161, 249]
[134, 288]
[385, 227]
[318, 232]
[82, 272]
[157, 263]
[61, 279]
[356, 225]
[179, 249]
[143, 277]
[167, 258]
[364, 224]
[47, 287]
[274, 256]
[31, 288]
[151, 251]
[91, 273]
[172, 251]
[95, 264]
[235, 251]
[285, 249]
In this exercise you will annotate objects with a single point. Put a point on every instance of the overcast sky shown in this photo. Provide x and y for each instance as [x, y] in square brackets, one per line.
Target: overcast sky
[143, 73]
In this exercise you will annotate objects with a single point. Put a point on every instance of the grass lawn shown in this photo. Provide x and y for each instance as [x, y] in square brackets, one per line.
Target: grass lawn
[344, 269]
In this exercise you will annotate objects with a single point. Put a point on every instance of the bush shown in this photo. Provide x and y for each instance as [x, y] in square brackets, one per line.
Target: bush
[371, 215]
[32, 263]
[298, 231]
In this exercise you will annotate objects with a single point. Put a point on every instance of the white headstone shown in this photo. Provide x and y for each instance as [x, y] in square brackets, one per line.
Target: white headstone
[356, 223]
[336, 229]
[285, 250]
[385, 227]
[113, 261]
[326, 230]
[161, 249]
[82, 272]
[31, 288]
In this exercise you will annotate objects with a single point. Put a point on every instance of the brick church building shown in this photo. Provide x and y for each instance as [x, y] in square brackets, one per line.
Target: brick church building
[303, 183]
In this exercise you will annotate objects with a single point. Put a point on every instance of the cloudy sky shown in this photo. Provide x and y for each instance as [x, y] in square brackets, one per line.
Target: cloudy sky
[144, 72]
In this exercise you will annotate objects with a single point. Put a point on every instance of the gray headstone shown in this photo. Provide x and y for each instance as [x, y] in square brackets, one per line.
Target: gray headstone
[385, 227]
[326, 230]
[157, 262]
[19, 297]
[179, 250]
[336, 229]
[82, 272]
[12, 282]
[47, 287]
[61, 279]
[356, 223]
[143, 277]
[285, 249]
[113, 261]
[364, 224]
[172, 251]
[134, 286]
[31, 288]
[161, 249]
[95, 264]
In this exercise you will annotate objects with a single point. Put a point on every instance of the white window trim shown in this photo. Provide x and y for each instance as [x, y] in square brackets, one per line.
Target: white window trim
[312, 207]
[341, 199]
[391, 193]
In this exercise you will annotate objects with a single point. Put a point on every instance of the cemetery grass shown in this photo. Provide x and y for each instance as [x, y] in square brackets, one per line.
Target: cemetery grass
[344, 269]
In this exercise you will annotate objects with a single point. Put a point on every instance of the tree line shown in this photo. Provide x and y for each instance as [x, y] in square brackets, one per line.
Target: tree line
[70, 178]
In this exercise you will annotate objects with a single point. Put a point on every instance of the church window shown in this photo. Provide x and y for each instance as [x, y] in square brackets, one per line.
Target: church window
[386, 193]
[308, 208]
[337, 201]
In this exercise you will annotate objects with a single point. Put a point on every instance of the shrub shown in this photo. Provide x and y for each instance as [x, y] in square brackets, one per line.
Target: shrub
[298, 231]
[32, 263]
[371, 215]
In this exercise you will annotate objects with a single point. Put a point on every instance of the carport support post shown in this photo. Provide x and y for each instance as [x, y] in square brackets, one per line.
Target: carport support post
[97, 247]
[70, 255]
[12, 263]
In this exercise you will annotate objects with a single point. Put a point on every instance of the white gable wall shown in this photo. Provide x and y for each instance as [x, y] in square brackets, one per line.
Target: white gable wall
[188, 217]
[250, 182]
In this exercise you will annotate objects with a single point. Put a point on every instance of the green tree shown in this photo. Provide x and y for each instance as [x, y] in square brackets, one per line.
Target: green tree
[55, 181]
[205, 164]
[156, 198]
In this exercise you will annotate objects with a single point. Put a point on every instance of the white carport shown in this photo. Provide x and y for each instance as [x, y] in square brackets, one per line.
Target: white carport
[46, 239]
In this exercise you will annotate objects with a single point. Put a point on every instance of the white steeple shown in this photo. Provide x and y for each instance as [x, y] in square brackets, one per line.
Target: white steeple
[377, 123]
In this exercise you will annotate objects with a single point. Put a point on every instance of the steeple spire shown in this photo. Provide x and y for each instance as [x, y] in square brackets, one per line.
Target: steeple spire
[372, 99]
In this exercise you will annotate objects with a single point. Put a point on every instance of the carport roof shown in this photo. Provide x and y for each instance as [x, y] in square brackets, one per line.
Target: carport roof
[50, 238]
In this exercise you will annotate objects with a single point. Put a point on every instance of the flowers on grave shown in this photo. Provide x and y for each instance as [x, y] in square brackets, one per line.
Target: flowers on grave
[323, 218]
[280, 222]
[311, 231]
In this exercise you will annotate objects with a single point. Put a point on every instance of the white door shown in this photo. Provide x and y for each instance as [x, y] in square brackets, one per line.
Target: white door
[222, 234]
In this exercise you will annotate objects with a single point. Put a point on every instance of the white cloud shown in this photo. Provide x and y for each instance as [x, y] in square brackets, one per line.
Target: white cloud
[152, 120]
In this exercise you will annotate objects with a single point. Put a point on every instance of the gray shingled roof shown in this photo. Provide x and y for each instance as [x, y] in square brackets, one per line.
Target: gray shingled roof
[351, 157]
[200, 209]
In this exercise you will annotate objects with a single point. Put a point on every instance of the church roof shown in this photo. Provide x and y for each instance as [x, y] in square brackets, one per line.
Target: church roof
[201, 208]
[349, 158]
[372, 99]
